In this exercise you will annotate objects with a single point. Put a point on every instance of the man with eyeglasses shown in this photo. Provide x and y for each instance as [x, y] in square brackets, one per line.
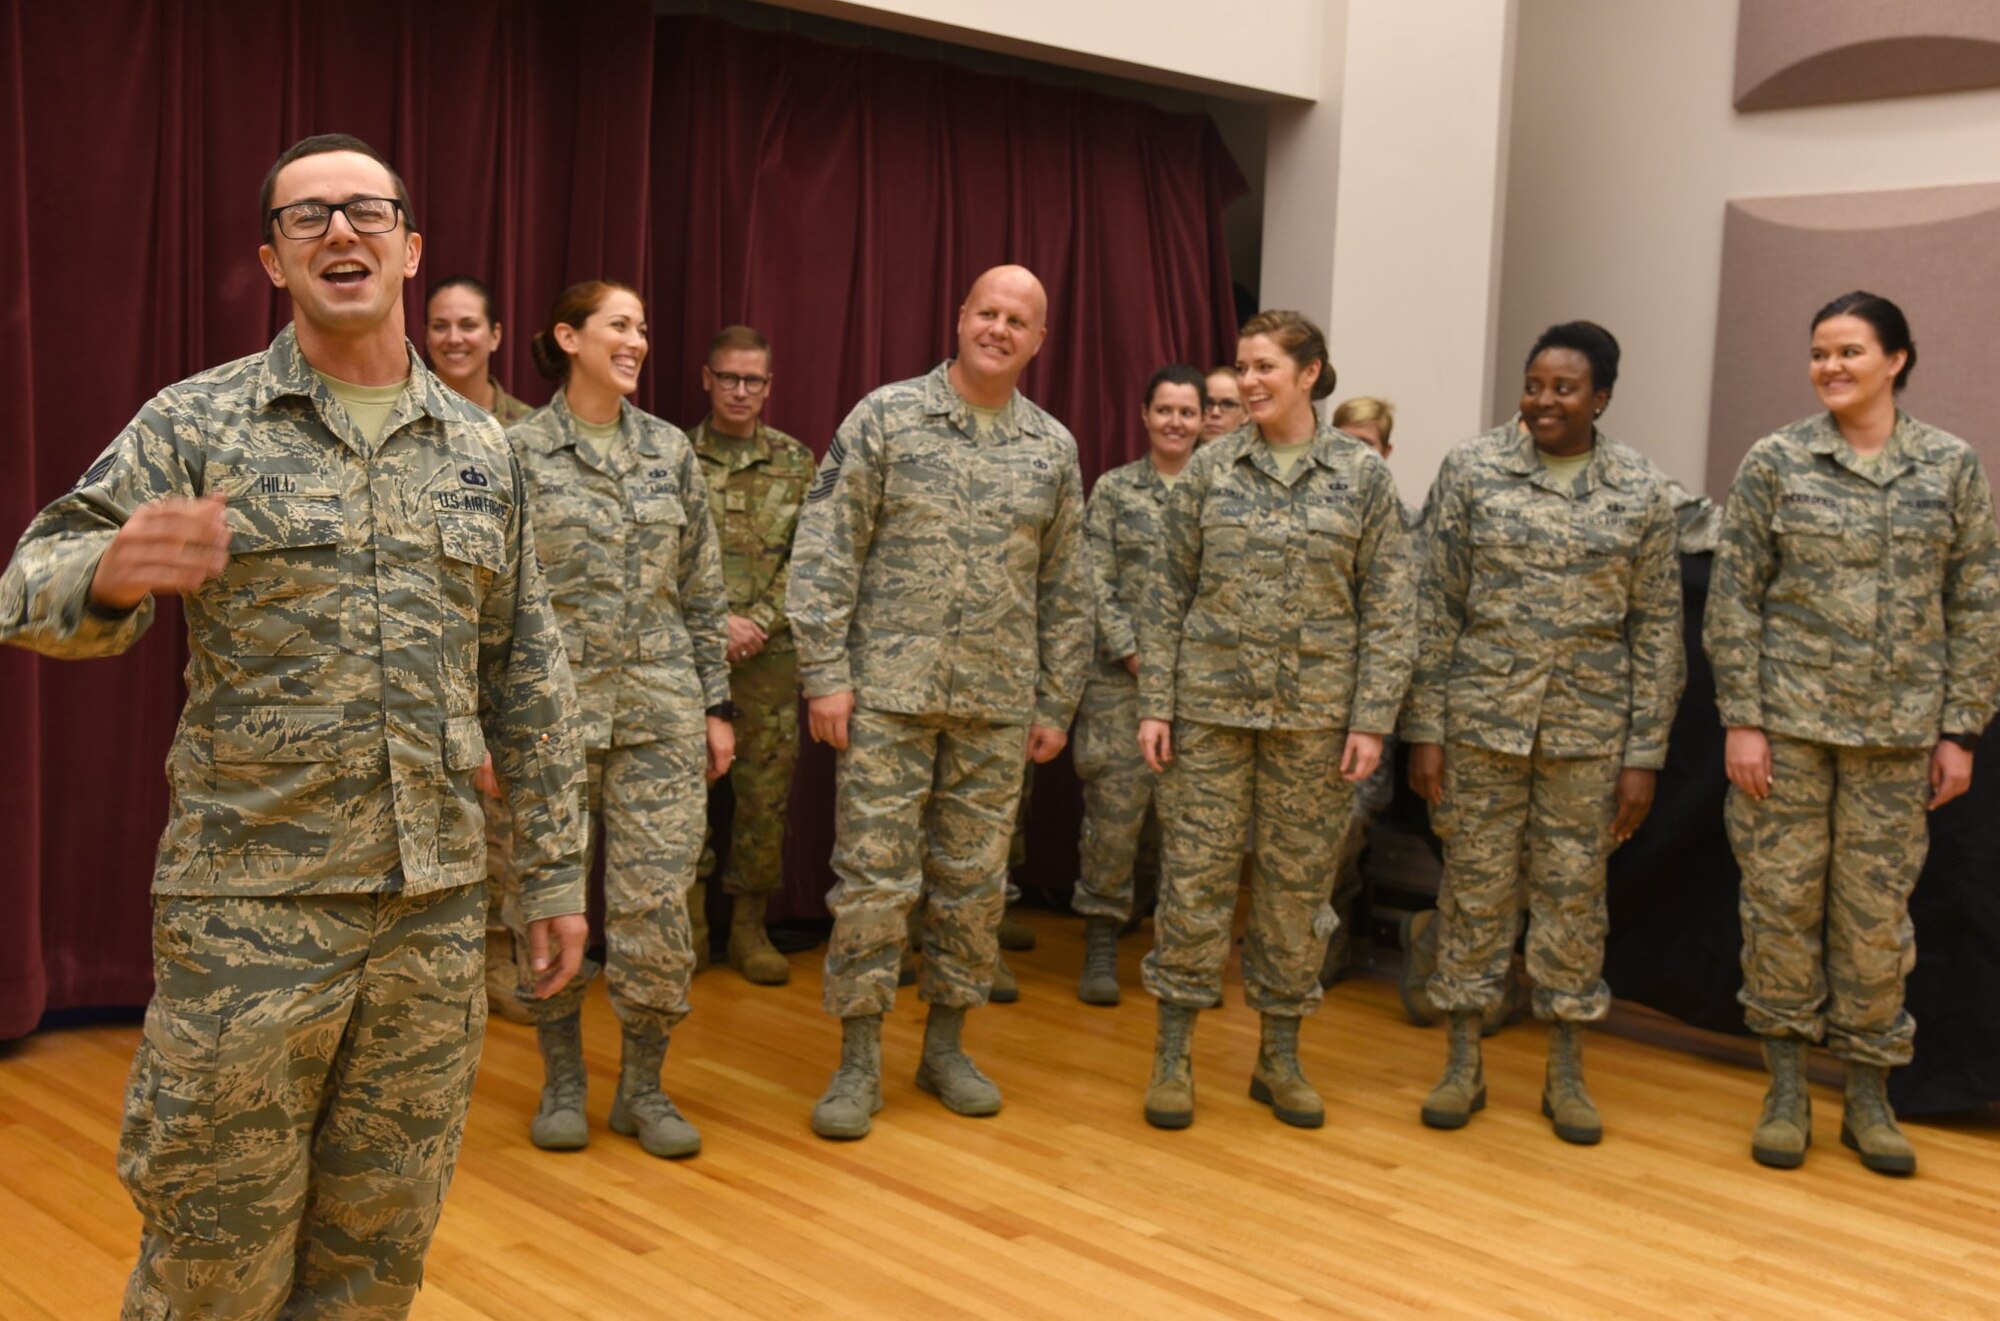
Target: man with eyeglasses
[364, 612]
[757, 479]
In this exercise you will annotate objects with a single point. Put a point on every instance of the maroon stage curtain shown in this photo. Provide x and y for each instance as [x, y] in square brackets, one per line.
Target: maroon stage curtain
[838, 199]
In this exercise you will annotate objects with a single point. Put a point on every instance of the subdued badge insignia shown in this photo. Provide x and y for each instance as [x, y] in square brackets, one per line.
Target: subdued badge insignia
[657, 473]
[95, 473]
[471, 476]
[829, 470]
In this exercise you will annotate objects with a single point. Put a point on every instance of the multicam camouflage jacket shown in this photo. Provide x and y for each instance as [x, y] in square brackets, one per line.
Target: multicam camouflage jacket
[1121, 526]
[940, 569]
[1549, 614]
[1280, 604]
[756, 488]
[381, 619]
[634, 569]
[1855, 607]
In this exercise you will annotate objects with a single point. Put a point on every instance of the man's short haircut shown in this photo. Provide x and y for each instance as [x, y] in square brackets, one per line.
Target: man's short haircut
[739, 337]
[319, 144]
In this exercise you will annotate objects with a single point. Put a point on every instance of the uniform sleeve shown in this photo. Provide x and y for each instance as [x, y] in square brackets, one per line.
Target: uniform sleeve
[835, 530]
[1170, 590]
[1385, 607]
[768, 610]
[703, 594]
[1653, 637]
[528, 709]
[45, 593]
[1063, 614]
[1117, 637]
[1446, 578]
[1745, 562]
[1972, 607]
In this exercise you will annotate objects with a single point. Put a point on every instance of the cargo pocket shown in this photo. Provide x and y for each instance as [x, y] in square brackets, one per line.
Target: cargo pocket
[272, 786]
[462, 832]
[166, 1147]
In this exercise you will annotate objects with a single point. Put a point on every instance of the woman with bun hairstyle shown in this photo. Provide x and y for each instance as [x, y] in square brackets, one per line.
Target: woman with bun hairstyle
[634, 568]
[1273, 656]
[1854, 629]
[1550, 668]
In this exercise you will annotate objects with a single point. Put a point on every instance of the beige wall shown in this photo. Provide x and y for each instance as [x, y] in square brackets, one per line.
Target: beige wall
[1264, 50]
[1624, 150]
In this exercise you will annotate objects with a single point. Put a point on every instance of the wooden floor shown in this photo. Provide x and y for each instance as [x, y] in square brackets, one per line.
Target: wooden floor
[1068, 1205]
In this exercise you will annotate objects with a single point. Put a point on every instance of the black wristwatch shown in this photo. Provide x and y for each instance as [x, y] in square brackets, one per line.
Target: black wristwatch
[722, 711]
[1970, 742]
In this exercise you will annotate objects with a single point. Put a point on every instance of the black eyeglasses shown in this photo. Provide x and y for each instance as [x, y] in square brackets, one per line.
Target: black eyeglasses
[309, 220]
[730, 381]
[1222, 406]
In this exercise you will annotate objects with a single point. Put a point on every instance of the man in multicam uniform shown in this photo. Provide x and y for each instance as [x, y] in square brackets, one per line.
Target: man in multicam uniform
[1854, 627]
[757, 479]
[1122, 529]
[940, 599]
[1551, 663]
[364, 612]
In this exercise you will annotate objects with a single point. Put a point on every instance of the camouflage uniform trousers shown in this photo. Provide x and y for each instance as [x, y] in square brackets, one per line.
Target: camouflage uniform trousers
[1537, 827]
[922, 808]
[1836, 848]
[1118, 799]
[1221, 778]
[1371, 799]
[649, 801]
[765, 689]
[296, 1104]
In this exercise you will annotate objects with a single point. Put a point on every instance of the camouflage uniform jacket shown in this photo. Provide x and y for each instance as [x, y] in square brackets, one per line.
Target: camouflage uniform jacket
[1280, 604]
[941, 571]
[1549, 614]
[634, 571]
[755, 489]
[507, 409]
[1857, 610]
[380, 619]
[1121, 526]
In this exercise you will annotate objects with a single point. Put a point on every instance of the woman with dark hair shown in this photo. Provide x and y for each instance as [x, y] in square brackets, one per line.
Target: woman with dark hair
[461, 335]
[1550, 666]
[1854, 628]
[1121, 527]
[1272, 659]
[634, 568]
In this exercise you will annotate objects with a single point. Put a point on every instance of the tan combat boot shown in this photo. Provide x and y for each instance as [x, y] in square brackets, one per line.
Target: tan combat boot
[1462, 1092]
[559, 1125]
[1277, 1080]
[1565, 1100]
[750, 949]
[503, 979]
[948, 1073]
[854, 1095]
[1868, 1125]
[1784, 1130]
[1419, 941]
[1005, 990]
[1170, 1095]
[642, 1110]
[1099, 983]
[698, 923]
[1014, 933]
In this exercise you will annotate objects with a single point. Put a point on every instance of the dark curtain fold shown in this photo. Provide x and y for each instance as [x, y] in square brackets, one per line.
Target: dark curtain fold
[840, 200]
[843, 200]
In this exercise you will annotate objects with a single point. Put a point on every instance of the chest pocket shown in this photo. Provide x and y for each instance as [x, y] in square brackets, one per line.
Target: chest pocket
[661, 523]
[1604, 535]
[283, 577]
[778, 513]
[1811, 534]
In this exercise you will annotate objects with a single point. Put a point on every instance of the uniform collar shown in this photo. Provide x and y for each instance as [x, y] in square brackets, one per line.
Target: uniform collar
[942, 400]
[1909, 444]
[1608, 465]
[285, 372]
[1329, 448]
[753, 449]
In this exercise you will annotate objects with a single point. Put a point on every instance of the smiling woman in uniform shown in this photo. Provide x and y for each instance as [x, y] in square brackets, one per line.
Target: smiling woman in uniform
[620, 511]
[1273, 655]
[1854, 628]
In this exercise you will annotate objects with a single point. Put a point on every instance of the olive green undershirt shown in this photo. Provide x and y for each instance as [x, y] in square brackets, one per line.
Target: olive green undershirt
[1287, 456]
[1166, 480]
[1566, 471]
[368, 405]
[599, 433]
[985, 419]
